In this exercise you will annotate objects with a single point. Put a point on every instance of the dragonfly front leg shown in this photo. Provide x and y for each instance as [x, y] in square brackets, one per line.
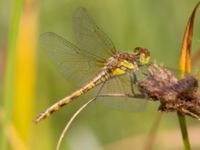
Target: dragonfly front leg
[134, 81]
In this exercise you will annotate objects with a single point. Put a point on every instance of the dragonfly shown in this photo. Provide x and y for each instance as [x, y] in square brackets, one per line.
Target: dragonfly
[95, 57]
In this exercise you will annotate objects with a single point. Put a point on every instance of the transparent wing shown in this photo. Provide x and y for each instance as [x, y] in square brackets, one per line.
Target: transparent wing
[73, 62]
[121, 85]
[90, 37]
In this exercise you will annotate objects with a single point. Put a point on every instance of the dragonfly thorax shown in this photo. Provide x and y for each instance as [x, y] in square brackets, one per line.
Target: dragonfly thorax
[121, 62]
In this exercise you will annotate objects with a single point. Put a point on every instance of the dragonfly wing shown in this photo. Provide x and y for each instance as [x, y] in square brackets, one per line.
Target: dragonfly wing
[70, 60]
[90, 37]
[121, 85]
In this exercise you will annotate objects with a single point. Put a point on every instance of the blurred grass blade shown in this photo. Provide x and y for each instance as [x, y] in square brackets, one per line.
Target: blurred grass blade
[148, 145]
[8, 94]
[14, 139]
[12, 135]
[25, 71]
[185, 66]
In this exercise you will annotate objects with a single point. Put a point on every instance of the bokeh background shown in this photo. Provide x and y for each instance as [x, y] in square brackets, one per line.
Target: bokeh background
[156, 25]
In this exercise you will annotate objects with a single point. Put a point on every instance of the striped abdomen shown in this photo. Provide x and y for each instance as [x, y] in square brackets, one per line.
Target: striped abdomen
[103, 76]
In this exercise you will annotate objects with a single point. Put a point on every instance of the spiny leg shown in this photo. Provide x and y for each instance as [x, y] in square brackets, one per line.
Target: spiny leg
[128, 95]
[144, 93]
[122, 95]
[99, 91]
[134, 81]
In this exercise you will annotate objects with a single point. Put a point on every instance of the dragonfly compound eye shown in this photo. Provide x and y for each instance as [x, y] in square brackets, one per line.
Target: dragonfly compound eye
[137, 51]
[142, 54]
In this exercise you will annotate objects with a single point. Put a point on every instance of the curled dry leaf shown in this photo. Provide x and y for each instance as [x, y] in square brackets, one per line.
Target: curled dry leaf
[185, 57]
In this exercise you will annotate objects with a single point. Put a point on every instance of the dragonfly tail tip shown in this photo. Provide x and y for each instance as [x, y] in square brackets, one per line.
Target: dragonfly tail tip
[35, 121]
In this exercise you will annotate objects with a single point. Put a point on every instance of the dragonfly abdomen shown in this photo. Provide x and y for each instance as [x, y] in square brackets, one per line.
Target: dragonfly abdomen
[102, 77]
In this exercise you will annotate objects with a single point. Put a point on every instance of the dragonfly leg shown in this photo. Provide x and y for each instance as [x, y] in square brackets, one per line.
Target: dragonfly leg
[134, 81]
[134, 78]
[144, 93]
[190, 113]
[122, 95]
[99, 91]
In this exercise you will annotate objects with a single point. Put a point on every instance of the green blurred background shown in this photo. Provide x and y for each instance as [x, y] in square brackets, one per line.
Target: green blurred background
[156, 25]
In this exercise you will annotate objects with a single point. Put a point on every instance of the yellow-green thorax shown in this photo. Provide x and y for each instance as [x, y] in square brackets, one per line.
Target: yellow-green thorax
[122, 62]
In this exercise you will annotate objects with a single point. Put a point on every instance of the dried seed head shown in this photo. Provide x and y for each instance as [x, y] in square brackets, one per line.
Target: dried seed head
[173, 94]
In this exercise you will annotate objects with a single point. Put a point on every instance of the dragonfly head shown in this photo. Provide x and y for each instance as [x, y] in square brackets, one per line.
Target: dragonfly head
[142, 55]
